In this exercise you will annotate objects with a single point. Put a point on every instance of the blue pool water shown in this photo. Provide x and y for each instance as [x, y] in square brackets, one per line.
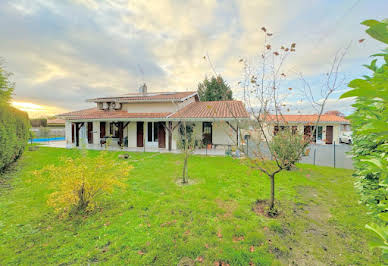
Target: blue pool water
[48, 139]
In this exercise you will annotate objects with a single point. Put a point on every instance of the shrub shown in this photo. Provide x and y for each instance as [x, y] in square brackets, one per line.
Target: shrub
[370, 136]
[80, 183]
[14, 133]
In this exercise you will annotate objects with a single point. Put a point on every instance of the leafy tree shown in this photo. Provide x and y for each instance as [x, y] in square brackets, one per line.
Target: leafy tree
[288, 146]
[80, 183]
[214, 89]
[370, 135]
[6, 86]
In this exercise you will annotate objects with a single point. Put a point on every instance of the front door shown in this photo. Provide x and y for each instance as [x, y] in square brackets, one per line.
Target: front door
[207, 132]
[102, 129]
[161, 135]
[140, 134]
[90, 132]
[329, 134]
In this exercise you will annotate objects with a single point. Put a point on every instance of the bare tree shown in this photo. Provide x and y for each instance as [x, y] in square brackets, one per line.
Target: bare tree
[275, 144]
[188, 138]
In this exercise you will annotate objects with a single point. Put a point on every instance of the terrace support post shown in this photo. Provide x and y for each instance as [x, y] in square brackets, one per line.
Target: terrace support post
[334, 153]
[235, 129]
[77, 128]
[237, 133]
[170, 130]
[169, 135]
[77, 134]
[120, 125]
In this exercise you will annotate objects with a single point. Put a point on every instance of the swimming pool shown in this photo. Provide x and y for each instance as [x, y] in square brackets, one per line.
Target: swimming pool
[48, 139]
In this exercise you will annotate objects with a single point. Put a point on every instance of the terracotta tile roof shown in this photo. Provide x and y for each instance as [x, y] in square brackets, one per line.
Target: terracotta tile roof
[150, 96]
[310, 118]
[94, 113]
[216, 109]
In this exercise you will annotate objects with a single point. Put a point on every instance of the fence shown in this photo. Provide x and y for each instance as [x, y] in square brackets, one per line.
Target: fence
[334, 155]
[47, 132]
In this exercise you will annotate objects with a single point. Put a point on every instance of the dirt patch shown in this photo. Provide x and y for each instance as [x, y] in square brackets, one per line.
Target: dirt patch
[260, 207]
[314, 232]
[318, 213]
[188, 183]
[185, 261]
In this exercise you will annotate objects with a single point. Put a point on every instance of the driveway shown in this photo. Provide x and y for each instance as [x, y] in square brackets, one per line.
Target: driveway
[324, 155]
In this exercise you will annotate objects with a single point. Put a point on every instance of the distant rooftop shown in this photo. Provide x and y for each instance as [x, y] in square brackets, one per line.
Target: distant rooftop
[309, 118]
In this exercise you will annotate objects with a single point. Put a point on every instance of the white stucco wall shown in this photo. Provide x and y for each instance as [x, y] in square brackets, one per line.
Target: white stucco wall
[68, 135]
[223, 134]
[96, 132]
[149, 107]
[132, 137]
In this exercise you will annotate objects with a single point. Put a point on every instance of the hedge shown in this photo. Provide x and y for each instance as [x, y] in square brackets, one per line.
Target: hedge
[14, 133]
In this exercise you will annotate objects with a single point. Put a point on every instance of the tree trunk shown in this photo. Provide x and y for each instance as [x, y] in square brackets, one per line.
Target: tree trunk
[184, 179]
[184, 175]
[272, 201]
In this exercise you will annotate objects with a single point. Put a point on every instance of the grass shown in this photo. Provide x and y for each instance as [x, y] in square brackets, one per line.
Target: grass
[155, 221]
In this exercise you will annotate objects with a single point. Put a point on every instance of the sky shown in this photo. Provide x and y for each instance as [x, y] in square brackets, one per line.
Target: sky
[64, 52]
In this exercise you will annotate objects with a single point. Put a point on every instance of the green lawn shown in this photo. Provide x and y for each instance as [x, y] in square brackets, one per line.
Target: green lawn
[155, 221]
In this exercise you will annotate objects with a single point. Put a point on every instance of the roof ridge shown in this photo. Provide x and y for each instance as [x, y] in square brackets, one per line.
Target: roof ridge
[220, 101]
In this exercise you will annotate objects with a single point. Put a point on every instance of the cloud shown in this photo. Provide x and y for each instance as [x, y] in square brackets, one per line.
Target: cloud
[63, 52]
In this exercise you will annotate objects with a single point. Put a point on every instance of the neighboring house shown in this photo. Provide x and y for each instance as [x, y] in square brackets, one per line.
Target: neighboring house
[150, 120]
[55, 122]
[329, 128]
[45, 128]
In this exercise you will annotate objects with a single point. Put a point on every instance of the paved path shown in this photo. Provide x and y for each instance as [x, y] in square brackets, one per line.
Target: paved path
[324, 155]
[62, 144]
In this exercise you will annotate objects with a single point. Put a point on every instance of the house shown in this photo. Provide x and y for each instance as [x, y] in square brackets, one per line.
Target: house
[55, 122]
[150, 120]
[329, 128]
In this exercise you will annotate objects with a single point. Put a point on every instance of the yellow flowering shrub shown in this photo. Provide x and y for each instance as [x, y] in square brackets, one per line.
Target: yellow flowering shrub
[79, 183]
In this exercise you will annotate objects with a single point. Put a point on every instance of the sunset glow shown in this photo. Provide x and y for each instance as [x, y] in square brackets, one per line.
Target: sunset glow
[36, 110]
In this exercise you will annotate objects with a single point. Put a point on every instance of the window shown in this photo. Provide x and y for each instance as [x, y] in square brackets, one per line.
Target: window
[282, 128]
[152, 131]
[156, 127]
[149, 131]
[207, 131]
[275, 130]
[319, 133]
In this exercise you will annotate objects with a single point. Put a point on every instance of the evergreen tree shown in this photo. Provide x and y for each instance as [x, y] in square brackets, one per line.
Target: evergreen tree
[214, 89]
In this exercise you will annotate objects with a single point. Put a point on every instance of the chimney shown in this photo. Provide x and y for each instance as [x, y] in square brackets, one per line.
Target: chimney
[143, 89]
